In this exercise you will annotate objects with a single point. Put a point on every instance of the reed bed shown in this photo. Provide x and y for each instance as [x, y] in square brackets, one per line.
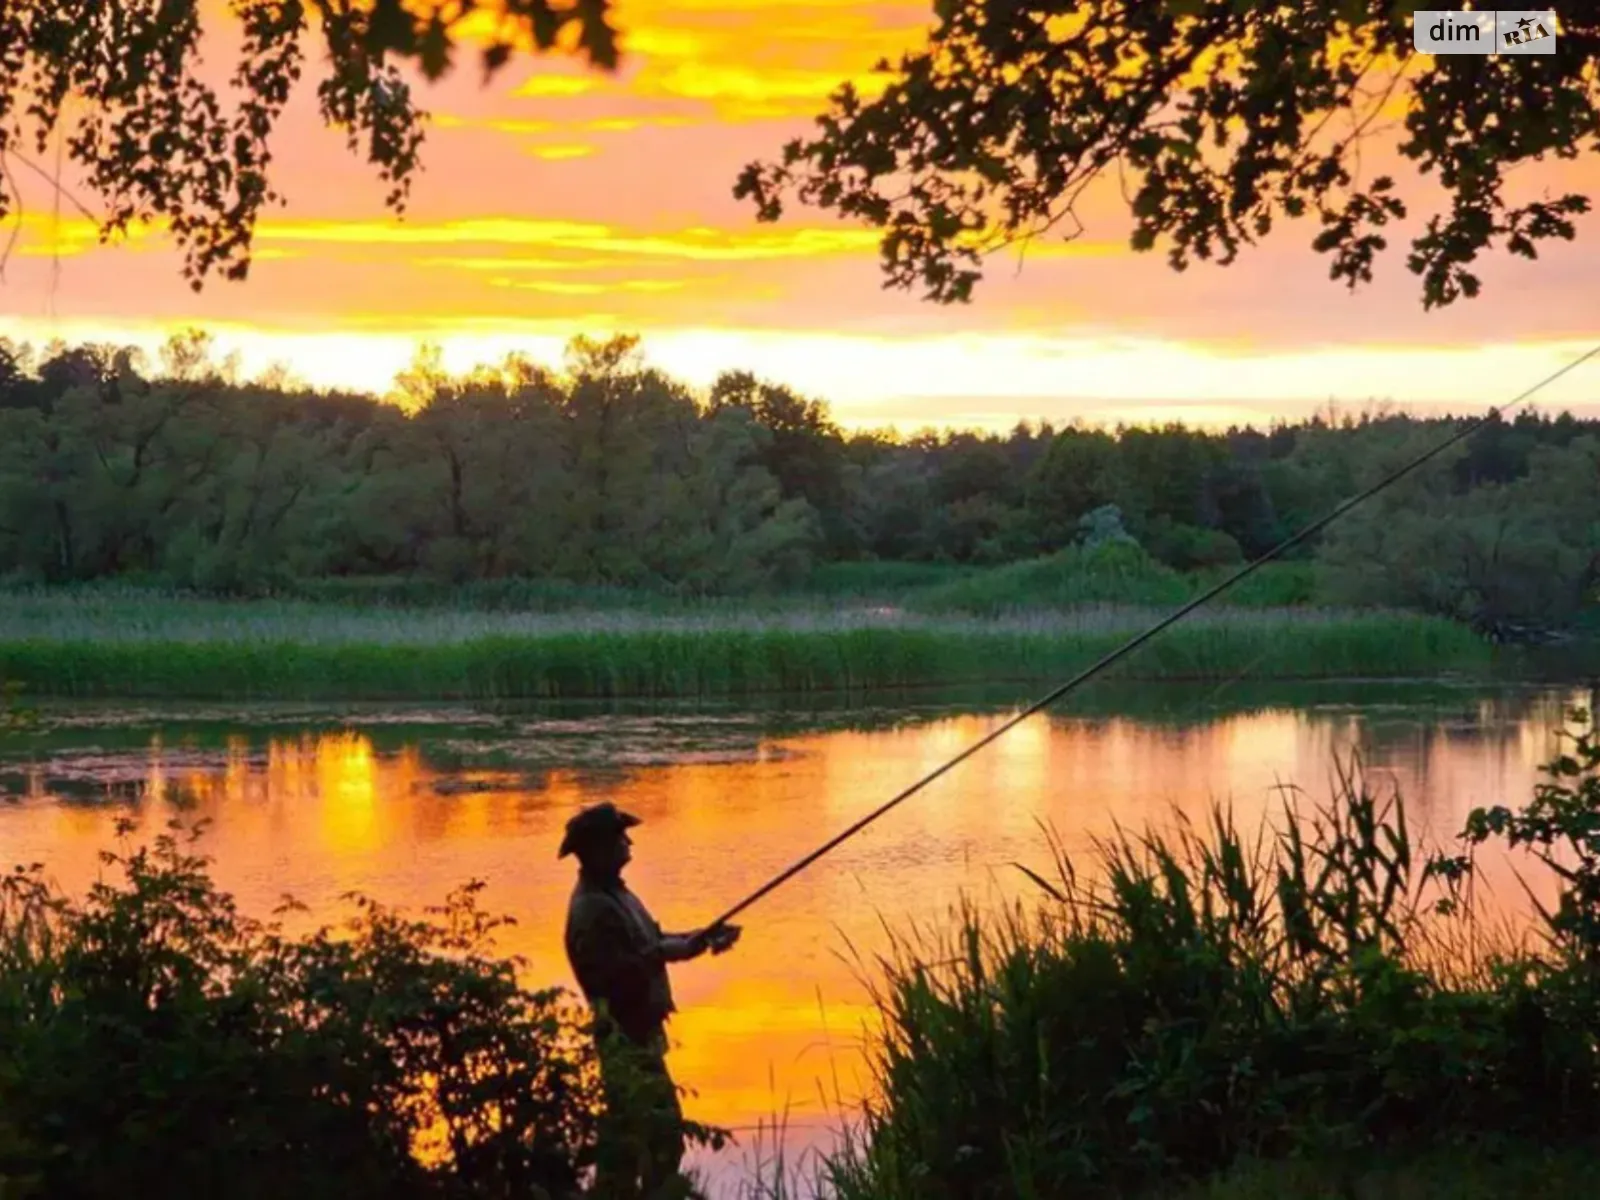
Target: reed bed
[1320, 1008]
[138, 645]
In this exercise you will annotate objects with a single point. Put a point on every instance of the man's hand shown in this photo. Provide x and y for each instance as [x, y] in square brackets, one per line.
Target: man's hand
[682, 947]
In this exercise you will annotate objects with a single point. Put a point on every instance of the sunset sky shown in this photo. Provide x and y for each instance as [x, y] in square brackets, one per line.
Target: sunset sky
[557, 201]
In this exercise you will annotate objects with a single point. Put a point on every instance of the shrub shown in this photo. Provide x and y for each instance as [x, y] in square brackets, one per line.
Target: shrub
[153, 1041]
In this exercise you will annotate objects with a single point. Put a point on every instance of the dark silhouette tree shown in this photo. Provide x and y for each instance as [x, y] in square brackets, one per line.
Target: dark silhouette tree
[1220, 118]
[158, 142]
[1219, 115]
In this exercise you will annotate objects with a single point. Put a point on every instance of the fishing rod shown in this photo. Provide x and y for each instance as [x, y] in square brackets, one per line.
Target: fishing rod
[1134, 643]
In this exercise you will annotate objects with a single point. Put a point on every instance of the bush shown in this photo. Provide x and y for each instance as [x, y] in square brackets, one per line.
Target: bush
[1111, 572]
[155, 1042]
[1190, 547]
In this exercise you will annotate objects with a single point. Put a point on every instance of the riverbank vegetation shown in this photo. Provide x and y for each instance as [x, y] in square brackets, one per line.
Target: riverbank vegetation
[156, 1042]
[607, 479]
[1326, 1009]
[1322, 1010]
[133, 645]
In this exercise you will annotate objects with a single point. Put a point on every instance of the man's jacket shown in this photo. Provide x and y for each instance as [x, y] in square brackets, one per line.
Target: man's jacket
[614, 947]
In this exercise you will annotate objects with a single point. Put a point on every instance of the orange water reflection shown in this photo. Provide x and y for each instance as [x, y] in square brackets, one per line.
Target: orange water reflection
[316, 816]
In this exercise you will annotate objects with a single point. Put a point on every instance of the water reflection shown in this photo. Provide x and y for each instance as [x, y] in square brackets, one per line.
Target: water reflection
[320, 813]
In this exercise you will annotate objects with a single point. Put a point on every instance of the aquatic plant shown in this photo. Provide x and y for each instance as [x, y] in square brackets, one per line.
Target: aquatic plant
[111, 645]
[1219, 1003]
[14, 717]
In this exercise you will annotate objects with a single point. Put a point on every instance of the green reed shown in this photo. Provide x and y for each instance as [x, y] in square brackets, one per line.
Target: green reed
[1222, 1009]
[131, 644]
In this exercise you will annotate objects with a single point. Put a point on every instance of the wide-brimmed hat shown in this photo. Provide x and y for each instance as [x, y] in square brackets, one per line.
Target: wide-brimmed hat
[593, 825]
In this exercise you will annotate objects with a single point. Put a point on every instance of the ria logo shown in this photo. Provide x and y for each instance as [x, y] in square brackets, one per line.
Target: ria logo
[1529, 29]
[1484, 31]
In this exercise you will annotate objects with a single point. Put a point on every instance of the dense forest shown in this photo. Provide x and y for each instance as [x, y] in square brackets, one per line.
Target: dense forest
[607, 471]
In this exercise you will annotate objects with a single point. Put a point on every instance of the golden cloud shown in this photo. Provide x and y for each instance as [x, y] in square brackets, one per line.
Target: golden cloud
[42, 236]
[742, 59]
[543, 84]
[564, 287]
[554, 152]
[498, 124]
[514, 264]
[697, 242]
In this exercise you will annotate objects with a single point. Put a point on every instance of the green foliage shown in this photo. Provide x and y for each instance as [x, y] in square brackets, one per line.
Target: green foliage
[14, 718]
[1189, 547]
[878, 580]
[611, 476]
[1112, 572]
[155, 139]
[1218, 1003]
[1276, 585]
[153, 1041]
[609, 484]
[1102, 526]
[1222, 118]
[131, 646]
[1522, 551]
[1460, 1173]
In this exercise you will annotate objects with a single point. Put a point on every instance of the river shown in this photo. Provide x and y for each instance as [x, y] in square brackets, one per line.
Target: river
[405, 802]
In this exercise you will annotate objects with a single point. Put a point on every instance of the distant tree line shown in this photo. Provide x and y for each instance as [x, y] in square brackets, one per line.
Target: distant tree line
[610, 472]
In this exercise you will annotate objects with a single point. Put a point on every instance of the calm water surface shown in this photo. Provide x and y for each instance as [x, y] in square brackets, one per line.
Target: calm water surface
[405, 803]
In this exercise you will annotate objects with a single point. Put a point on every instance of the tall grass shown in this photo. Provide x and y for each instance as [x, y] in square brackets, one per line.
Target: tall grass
[133, 645]
[885, 581]
[1319, 993]
[1109, 574]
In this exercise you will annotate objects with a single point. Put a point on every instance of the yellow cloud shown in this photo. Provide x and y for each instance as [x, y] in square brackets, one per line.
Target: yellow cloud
[630, 124]
[575, 150]
[542, 85]
[515, 264]
[743, 59]
[499, 125]
[664, 42]
[520, 127]
[699, 242]
[741, 91]
[569, 288]
[44, 236]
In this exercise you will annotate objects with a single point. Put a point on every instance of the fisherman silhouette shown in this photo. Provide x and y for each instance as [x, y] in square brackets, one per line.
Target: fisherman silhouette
[619, 956]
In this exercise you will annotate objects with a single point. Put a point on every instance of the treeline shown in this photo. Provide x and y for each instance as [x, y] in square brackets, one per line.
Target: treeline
[610, 472]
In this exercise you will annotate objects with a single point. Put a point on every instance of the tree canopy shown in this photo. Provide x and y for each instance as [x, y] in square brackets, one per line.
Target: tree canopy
[606, 473]
[1220, 119]
[121, 83]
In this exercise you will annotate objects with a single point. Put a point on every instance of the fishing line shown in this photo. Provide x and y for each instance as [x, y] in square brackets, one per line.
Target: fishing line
[1134, 643]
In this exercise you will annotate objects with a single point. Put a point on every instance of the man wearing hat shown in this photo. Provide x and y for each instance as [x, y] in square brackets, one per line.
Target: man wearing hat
[619, 956]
